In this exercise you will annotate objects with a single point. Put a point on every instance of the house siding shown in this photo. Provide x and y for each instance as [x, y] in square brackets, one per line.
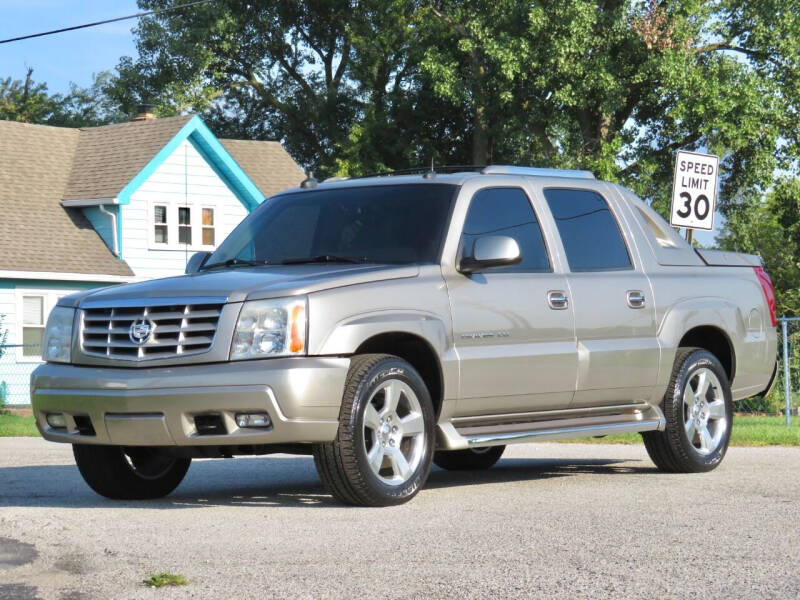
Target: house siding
[184, 178]
[15, 370]
[102, 223]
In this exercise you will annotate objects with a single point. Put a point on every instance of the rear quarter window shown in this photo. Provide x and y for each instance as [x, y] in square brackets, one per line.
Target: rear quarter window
[591, 235]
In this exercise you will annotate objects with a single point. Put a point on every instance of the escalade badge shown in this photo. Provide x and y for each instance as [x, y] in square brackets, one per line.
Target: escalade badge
[141, 330]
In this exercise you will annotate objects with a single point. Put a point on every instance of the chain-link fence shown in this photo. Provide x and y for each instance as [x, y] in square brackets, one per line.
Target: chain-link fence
[777, 401]
[17, 362]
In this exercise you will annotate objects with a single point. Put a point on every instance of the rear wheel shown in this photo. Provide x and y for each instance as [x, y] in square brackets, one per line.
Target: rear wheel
[129, 473]
[472, 459]
[699, 412]
[382, 452]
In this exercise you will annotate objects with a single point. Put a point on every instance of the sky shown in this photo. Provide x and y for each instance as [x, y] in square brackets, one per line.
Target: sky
[64, 57]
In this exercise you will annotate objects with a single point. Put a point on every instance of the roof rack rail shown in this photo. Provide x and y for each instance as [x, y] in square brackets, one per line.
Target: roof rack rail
[540, 171]
[483, 169]
[422, 170]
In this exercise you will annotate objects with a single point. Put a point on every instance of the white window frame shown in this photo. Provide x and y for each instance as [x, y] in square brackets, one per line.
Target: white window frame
[196, 217]
[49, 299]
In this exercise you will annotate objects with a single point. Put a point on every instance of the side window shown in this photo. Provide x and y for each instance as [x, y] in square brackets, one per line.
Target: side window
[507, 211]
[589, 232]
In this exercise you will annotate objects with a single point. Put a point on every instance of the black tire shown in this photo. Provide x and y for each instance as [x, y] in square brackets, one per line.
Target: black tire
[343, 465]
[472, 459]
[129, 473]
[671, 450]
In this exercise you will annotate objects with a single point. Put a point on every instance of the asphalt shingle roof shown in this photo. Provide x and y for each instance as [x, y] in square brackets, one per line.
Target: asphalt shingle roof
[110, 156]
[40, 166]
[267, 163]
[36, 232]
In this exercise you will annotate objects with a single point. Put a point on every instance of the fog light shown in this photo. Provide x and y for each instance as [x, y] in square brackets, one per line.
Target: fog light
[258, 420]
[56, 421]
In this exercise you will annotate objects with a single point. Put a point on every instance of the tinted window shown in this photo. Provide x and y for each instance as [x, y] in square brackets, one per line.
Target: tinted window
[382, 224]
[507, 211]
[591, 236]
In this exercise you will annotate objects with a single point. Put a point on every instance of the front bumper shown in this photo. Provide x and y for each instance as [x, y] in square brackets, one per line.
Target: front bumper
[158, 406]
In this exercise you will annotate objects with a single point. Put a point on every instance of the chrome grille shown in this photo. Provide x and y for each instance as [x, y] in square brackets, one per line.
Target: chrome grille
[178, 330]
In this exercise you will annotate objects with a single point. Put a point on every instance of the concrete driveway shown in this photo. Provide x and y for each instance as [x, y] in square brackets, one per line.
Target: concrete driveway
[550, 521]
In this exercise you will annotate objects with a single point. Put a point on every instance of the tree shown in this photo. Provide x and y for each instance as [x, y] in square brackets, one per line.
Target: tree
[25, 101]
[613, 86]
[29, 102]
[771, 229]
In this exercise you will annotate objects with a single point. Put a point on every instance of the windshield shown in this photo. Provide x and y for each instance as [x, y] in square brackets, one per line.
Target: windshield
[397, 224]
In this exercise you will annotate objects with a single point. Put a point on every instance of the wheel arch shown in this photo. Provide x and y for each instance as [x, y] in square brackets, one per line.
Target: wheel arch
[710, 323]
[415, 350]
[716, 341]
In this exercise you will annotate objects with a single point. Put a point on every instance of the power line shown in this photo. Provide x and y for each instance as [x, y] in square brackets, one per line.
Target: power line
[85, 25]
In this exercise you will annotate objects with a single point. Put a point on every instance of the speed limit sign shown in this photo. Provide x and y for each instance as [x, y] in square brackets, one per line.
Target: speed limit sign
[694, 190]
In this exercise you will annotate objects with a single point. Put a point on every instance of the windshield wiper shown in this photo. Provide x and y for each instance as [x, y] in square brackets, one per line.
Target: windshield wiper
[234, 261]
[324, 258]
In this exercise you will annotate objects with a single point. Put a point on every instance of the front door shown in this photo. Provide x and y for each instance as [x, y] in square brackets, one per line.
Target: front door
[615, 319]
[513, 332]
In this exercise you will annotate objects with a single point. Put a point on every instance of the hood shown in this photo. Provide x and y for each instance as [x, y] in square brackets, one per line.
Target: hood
[243, 283]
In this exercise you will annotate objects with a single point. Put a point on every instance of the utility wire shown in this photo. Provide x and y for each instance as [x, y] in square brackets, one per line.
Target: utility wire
[85, 25]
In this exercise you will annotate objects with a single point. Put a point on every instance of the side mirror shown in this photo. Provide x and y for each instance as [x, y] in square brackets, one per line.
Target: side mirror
[197, 260]
[491, 252]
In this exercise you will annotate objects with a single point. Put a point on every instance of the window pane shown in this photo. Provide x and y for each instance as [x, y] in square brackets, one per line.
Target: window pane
[507, 211]
[160, 214]
[208, 236]
[208, 216]
[184, 234]
[184, 215]
[394, 223]
[32, 341]
[33, 310]
[161, 234]
[591, 236]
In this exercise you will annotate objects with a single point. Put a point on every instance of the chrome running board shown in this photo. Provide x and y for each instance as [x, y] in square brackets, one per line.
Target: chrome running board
[500, 439]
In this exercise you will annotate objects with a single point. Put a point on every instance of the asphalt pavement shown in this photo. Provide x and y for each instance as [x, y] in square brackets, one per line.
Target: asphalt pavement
[548, 521]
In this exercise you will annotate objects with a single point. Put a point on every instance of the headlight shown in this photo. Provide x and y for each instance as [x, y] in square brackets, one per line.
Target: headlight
[268, 328]
[58, 335]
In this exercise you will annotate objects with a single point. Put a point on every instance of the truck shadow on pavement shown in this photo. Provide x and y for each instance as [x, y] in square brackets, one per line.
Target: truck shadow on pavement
[270, 481]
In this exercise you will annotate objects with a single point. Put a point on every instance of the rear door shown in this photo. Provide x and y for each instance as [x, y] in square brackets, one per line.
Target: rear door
[516, 345]
[615, 322]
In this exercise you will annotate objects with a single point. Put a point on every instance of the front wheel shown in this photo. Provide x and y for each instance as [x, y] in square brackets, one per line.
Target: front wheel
[699, 412]
[129, 473]
[382, 452]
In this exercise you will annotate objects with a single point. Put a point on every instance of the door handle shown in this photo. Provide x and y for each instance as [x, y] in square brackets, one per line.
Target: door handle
[635, 299]
[557, 300]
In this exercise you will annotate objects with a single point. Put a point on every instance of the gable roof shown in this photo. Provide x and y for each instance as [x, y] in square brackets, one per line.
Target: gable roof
[41, 166]
[267, 164]
[36, 232]
[109, 157]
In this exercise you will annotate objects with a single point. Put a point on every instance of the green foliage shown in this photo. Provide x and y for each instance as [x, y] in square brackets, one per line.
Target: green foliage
[354, 86]
[29, 102]
[771, 229]
[165, 579]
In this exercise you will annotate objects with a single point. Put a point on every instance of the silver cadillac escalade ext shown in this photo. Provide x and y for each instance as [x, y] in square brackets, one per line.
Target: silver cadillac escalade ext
[385, 323]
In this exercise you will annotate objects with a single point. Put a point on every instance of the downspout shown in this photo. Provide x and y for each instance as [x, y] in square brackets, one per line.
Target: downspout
[113, 216]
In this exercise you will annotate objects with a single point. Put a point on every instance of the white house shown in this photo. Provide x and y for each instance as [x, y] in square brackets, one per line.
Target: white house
[82, 208]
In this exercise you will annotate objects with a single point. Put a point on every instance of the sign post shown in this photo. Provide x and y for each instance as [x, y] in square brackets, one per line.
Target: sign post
[694, 191]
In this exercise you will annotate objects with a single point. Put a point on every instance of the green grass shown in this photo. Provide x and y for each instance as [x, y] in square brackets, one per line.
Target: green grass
[747, 431]
[12, 425]
[164, 579]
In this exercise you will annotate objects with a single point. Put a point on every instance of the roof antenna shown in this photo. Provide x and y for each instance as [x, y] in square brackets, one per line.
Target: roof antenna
[309, 182]
[430, 174]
